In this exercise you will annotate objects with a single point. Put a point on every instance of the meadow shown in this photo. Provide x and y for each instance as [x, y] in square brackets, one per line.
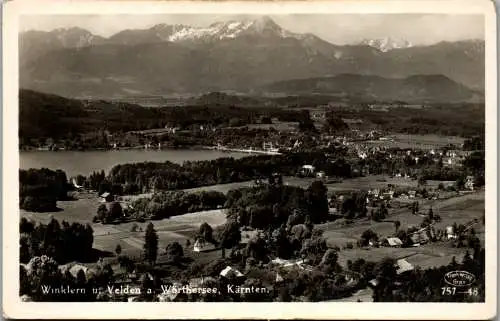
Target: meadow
[458, 210]
[424, 142]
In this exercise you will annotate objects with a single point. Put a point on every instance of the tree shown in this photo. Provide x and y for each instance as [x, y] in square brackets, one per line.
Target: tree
[281, 242]
[314, 248]
[230, 236]
[257, 249]
[118, 249]
[206, 232]
[386, 269]
[381, 213]
[368, 236]
[150, 244]
[330, 258]
[102, 212]
[26, 226]
[81, 279]
[174, 252]
[397, 224]
[317, 201]
[44, 271]
[334, 123]
[24, 247]
[115, 211]
[147, 287]
[430, 214]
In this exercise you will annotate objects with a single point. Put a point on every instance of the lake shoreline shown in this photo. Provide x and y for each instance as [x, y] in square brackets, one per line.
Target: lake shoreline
[75, 163]
[194, 148]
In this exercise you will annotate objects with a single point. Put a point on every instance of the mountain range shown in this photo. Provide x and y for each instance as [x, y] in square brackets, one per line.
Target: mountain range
[243, 56]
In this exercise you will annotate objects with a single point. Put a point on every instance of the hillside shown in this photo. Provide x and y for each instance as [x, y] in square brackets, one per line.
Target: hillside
[44, 115]
[432, 88]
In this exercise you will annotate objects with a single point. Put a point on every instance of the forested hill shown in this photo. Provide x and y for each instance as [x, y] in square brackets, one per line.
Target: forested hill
[43, 115]
[417, 88]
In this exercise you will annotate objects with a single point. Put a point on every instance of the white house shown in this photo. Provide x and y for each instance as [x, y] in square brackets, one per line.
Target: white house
[450, 233]
[469, 182]
[308, 170]
[201, 246]
[403, 266]
[229, 272]
[394, 241]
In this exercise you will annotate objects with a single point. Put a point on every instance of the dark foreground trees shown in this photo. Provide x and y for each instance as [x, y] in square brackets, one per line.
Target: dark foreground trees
[40, 189]
[150, 244]
[63, 242]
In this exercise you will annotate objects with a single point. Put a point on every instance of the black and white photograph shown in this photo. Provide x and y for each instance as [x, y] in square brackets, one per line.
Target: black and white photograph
[322, 157]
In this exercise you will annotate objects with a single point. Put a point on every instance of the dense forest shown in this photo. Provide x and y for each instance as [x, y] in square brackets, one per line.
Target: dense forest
[40, 189]
[275, 204]
[222, 170]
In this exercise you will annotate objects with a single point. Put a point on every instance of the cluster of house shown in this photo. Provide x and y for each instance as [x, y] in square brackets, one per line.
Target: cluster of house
[310, 171]
[376, 194]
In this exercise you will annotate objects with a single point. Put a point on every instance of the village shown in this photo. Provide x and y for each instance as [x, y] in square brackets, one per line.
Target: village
[407, 218]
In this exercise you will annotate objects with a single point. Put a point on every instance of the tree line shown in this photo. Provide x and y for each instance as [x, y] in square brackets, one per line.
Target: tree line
[160, 205]
[171, 176]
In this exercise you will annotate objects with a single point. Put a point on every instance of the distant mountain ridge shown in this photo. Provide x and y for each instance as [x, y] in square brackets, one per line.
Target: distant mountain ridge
[429, 88]
[231, 55]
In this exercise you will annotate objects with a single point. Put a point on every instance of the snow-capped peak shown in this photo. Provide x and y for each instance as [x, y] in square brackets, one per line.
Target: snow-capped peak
[74, 37]
[222, 30]
[387, 44]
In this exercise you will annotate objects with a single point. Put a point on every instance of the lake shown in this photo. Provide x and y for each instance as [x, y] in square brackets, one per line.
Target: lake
[75, 162]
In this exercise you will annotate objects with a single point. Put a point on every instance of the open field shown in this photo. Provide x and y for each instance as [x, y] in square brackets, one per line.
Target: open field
[106, 237]
[81, 210]
[374, 181]
[279, 126]
[459, 209]
[175, 229]
[427, 142]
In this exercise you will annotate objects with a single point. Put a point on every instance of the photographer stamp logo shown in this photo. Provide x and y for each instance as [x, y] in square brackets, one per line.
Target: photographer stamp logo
[459, 278]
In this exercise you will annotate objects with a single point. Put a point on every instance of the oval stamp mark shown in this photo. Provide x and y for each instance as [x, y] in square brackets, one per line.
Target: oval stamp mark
[459, 278]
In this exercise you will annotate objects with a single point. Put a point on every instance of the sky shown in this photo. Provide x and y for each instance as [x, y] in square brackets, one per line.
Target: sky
[335, 28]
